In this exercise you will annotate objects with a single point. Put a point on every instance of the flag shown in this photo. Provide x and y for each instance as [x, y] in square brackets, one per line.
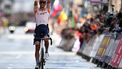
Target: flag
[56, 8]
[62, 17]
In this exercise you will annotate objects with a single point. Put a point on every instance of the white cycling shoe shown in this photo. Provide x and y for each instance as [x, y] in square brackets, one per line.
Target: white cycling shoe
[46, 56]
[37, 67]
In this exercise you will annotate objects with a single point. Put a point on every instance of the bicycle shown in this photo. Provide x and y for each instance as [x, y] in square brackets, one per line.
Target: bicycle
[41, 58]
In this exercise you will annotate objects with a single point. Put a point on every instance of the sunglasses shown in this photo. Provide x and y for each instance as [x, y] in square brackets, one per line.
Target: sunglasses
[42, 2]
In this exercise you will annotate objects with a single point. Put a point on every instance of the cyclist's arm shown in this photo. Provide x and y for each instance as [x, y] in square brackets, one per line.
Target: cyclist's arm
[48, 5]
[35, 6]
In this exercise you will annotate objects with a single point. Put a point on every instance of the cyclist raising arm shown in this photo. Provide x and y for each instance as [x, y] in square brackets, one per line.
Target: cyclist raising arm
[41, 11]
[35, 6]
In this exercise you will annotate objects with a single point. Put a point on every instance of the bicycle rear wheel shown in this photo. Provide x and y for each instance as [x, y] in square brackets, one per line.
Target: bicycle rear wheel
[42, 59]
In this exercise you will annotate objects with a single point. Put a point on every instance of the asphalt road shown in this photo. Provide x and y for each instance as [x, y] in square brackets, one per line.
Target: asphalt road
[17, 52]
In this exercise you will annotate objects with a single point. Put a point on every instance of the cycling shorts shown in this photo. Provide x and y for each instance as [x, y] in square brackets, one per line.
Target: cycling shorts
[40, 31]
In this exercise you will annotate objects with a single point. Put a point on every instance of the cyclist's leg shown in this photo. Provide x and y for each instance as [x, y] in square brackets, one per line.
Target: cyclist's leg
[46, 45]
[46, 49]
[46, 40]
[37, 48]
[46, 31]
[37, 43]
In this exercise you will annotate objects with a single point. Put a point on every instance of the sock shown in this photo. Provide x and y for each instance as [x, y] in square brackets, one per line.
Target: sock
[37, 62]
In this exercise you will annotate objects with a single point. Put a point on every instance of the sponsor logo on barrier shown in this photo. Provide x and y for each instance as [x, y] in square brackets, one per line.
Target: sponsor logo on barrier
[103, 46]
[117, 55]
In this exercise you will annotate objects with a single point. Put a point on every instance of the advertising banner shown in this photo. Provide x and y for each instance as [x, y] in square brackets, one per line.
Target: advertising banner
[106, 58]
[95, 1]
[120, 65]
[111, 51]
[96, 45]
[117, 55]
[88, 47]
[103, 46]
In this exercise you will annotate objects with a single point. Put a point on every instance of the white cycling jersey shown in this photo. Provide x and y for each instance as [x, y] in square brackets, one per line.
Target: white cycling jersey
[42, 17]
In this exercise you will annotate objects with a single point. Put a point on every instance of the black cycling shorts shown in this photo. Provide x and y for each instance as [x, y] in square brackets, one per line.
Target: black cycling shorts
[40, 31]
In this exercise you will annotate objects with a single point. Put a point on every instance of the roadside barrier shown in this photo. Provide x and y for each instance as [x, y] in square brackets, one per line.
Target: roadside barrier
[117, 56]
[104, 50]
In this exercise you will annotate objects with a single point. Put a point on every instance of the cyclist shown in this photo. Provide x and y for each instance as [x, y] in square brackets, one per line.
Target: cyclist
[41, 16]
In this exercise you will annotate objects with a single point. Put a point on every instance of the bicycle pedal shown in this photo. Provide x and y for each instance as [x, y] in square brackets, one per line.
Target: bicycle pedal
[36, 67]
[44, 62]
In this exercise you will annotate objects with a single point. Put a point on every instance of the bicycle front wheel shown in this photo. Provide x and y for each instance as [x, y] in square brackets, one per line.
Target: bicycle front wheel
[42, 58]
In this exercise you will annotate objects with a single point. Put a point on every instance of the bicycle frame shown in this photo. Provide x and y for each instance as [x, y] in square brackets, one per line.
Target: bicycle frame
[41, 57]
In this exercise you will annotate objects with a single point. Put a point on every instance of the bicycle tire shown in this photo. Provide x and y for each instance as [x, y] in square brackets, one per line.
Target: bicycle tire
[42, 58]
